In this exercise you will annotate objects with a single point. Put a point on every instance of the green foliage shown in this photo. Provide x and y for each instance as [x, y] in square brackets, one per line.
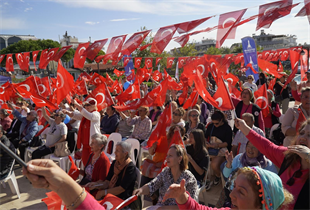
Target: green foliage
[187, 50]
[99, 53]
[68, 55]
[213, 51]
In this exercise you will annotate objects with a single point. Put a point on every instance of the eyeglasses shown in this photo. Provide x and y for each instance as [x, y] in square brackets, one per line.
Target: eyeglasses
[297, 174]
[249, 78]
[87, 105]
[141, 110]
[176, 114]
[194, 115]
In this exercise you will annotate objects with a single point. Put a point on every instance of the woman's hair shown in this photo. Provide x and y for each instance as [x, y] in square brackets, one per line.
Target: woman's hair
[101, 139]
[219, 116]
[5, 113]
[200, 142]
[189, 113]
[262, 75]
[125, 146]
[171, 131]
[113, 109]
[181, 153]
[181, 110]
[197, 107]
[290, 155]
[252, 179]
[251, 77]
[251, 93]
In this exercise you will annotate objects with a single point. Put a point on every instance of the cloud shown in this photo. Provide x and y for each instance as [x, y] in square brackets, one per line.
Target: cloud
[124, 19]
[12, 23]
[91, 23]
[22, 1]
[28, 9]
[5, 3]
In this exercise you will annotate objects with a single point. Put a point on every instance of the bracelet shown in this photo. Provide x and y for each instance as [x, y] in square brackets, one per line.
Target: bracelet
[76, 200]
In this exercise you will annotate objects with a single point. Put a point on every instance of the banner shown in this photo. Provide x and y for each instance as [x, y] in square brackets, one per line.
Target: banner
[129, 65]
[250, 55]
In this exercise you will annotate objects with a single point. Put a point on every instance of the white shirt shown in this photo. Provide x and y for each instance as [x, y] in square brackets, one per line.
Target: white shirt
[249, 85]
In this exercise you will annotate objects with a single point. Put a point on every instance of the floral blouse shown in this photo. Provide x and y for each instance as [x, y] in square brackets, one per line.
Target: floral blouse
[163, 181]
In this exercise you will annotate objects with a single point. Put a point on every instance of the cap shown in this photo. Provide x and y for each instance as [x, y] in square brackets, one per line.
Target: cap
[91, 101]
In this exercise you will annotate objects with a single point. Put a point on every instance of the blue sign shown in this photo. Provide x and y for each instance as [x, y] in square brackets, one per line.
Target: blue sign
[250, 55]
[129, 66]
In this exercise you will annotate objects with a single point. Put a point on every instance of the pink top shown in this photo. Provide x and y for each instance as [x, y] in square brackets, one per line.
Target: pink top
[90, 203]
[276, 155]
[248, 109]
[268, 120]
[192, 204]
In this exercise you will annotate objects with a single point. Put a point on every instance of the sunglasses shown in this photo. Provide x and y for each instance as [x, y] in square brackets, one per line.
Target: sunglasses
[56, 115]
[176, 114]
[87, 105]
[297, 174]
[194, 115]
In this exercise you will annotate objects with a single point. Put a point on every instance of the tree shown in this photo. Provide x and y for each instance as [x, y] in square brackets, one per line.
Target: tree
[68, 55]
[213, 51]
[187, 50]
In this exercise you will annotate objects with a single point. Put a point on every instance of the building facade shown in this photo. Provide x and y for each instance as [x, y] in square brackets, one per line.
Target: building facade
[203, 46]
[9, 39]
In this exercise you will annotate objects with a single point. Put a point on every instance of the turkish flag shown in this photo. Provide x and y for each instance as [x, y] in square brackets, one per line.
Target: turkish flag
[29, 85]
[84, 76]
[182, 40]
[297, 49]
[157, 76]
[285, 55]
[262, 99]
[81, 87]
[96, 79]
[222, 96]
[115, 47]
[184, 94]
[170, 62]
[164, 121]
[1, 58]
[272, 83]
[92, 50]
[181, 61]
[47, 56]
[294, 56]
[117, 86]
[134, 42]
[227, 26]
[53, 201]
[148, 62]
[73, 171]
[138, 62]
[102, 96]
[44, 88]
[173, 85]
[108, 80]
[191, 100]
[131, 93]
[301, 119]
[280, 67]
[118, 73]
[305, 11]
[157, 60]
[9, 65]
[126, 60]
[111, 202]
[190, 25]
[131, 76]
[41, 119]
[145, 46]
[34, 58]
[79, 57]
[162, 38]
[269, 68]
[273, 11]
[20, 58]
[234, 91]
[232, 79]
[7, 91]
[159, 93]
[61, 52]
[65, 83]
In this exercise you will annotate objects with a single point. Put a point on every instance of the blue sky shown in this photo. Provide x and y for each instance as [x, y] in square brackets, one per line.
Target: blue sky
[99, 19]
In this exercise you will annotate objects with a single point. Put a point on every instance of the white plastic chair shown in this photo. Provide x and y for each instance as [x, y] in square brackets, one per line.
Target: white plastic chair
[275, 126]
[135, 145]
[11, 179]
[28, 153]
[115, 137]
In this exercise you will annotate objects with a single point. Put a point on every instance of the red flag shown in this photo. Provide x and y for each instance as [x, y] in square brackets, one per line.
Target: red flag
[137, 62]
[300, 120]
[294, 56]
[227, 26]
[232, 79]
[234, 91]
[117, 86]
[164, 121]
[162, 38]
[65, 83]
[92, 51]
[29, 85]
[34, 58]
[47, 56]
[21, 60]
[1, 58]
[159, 93]
[269, 68]
[102, 96]
[273, 11]
[97, 79]
[182, 40]
[191, 101]
[9, 65]
[61, 52]
[115, 47]
[157, 76]
[80, 88]
[131, 93]
[41, 119]
[177, 139]
[144, 46]
[181, 61]
[262, 100]
[118, 73]
[169, 62]
[110, 202]
[148, 62]
[134, 42]
[304, 65]
[272, 83]
[79, 57]
[157, 60]
[305, 11]
[280, 67]
[53, 201]
[131, 76]
[84, 76]
[222, 96]
[108, 80]
[284, 55]
[73, 171]
[190, 25]
[173, 85]
[7, 91]
[126, 60]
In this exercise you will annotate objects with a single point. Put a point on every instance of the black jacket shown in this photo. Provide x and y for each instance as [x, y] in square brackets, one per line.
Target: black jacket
[6, 160]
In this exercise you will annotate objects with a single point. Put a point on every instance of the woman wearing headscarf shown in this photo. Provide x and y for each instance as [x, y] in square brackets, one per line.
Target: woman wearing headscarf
[261, 81]
[274, 113]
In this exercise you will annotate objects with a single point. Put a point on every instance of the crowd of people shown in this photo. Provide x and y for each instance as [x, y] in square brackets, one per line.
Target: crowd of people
[237, 145]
